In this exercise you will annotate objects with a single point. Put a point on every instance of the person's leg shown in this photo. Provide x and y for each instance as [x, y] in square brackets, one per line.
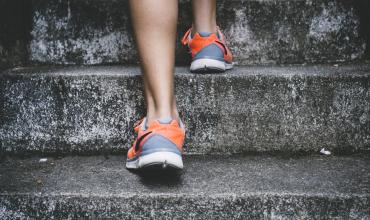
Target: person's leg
[204, 16]
[154, 23]
[160, 137]
[206, 43]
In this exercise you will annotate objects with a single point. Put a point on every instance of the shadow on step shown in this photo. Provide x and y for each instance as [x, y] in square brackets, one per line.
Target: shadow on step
[160, 177]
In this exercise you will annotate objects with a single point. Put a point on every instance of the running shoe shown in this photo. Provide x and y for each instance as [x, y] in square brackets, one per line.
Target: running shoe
[209, 51]
[158, 145]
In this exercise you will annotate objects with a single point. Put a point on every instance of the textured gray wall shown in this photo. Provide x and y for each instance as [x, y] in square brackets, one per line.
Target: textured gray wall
[259, 109]
[259, 32]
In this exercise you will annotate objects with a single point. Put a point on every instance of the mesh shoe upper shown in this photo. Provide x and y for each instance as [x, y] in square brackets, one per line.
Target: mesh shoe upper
[211, 45]
[157, 136]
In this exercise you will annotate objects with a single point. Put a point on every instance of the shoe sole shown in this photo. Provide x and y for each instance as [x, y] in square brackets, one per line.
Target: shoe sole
[209, 66]
[157, 160]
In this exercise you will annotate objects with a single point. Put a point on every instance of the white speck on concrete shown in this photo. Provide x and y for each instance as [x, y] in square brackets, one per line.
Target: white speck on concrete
[43, 160]
[325, 152]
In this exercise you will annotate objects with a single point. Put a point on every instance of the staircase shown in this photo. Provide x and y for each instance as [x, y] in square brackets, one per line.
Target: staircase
[70, 91]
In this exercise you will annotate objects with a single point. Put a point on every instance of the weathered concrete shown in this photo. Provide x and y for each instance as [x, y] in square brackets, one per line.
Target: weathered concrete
[250, 187]
[260, 109]
[259, 32]
[273, 31]
[15, 27]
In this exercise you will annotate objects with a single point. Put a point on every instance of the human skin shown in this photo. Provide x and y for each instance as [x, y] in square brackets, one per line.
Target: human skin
[154, 23]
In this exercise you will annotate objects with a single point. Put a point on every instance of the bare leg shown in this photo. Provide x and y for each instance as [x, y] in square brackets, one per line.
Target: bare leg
[204, 16]
[154, 24]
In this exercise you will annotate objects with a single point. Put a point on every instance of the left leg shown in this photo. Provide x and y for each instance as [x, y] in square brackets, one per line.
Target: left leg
[160, 135]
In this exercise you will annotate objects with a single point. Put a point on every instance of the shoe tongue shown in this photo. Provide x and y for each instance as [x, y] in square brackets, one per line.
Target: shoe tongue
[204, 34]
[166, 120]
[207, 34]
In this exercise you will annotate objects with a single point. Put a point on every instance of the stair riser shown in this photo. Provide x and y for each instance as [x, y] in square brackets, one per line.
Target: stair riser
[187, 207]
[259, 32]
[82, 113]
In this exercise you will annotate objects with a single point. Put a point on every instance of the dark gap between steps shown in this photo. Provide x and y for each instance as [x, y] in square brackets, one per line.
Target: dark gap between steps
[363, 8]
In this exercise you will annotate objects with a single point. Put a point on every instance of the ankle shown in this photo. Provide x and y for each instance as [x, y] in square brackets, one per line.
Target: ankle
[208, 28]
[155, 115]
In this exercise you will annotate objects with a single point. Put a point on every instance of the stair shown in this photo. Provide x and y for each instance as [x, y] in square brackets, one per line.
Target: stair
[211, 187]
[258, 32]
[268, 122]
[71, 90]
[91, 110]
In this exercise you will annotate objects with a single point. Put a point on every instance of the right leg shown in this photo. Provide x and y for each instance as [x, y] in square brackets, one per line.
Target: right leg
[204, 16]
[205, 41]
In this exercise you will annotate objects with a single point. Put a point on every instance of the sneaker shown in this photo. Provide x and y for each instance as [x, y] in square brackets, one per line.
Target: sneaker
[158, 145]
[209, 52]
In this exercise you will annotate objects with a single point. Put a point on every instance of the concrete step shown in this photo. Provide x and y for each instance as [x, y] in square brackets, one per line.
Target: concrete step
[259, 32]
[250, 187]
[88, 110]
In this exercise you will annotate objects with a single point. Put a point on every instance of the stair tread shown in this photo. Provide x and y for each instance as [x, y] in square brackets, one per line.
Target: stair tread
[216, 187]
[106, 176]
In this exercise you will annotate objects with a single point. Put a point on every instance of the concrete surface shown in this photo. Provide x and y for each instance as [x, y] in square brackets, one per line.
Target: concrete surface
[88, 110]
[259, 32]
[210, 187]
[15, 32]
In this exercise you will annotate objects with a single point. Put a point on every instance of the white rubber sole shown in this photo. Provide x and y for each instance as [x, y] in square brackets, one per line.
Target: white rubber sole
[162, 159]
[209, 65]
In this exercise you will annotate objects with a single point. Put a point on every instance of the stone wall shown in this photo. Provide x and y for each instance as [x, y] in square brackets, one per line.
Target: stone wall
[259, 32]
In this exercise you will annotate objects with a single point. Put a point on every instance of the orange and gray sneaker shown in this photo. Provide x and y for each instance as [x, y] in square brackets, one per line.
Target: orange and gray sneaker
[209, 51]
[158, 145]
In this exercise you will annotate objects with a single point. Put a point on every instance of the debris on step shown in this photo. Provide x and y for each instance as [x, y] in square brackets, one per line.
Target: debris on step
[43, 160]
[325, 152]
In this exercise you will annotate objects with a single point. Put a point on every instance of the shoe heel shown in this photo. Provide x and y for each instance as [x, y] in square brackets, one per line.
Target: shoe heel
[163, 159]
[207, 65]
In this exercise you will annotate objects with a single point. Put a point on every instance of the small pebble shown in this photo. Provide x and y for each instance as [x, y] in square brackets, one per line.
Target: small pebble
[325, 152]
[43, 160]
